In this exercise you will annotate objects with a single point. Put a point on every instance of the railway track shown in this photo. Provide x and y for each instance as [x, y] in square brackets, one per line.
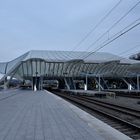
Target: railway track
[126, 120]
[123, 109]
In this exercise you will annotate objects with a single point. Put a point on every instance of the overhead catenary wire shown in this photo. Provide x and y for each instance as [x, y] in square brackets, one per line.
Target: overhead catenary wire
[128, 50]
[118, 21]
[120, 33]
[97, 25]
[121, 54]
[124, 58]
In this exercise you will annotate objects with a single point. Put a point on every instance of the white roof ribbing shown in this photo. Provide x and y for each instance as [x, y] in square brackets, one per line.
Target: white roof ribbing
[55, 56]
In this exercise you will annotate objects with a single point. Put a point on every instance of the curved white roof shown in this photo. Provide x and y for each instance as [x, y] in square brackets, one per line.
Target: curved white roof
[57, 56]
[135, 56]
[96, 63]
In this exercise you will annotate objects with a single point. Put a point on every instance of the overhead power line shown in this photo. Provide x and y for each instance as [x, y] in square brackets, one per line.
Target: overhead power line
[116, 36]
[121, 54]
[97, 25]
[118, 21]
[123, 58]
[128, 50]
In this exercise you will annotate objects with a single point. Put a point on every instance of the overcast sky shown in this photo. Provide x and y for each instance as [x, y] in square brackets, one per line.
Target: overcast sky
[60, 25]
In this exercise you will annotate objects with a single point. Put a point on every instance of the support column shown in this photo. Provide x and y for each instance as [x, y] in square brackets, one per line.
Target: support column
[138, 84]
[128, 84]
[99, 83]
[66, 83]
[41, 82]
[5, 83]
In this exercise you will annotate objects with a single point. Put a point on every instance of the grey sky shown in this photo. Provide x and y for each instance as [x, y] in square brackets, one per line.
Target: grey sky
[60, 24]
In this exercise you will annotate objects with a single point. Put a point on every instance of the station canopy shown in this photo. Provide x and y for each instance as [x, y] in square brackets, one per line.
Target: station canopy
[135, 56]
[59, 64]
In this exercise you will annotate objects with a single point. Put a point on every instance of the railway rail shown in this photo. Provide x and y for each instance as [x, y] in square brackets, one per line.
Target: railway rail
[122, 108]
[129, 94]
[126, 120]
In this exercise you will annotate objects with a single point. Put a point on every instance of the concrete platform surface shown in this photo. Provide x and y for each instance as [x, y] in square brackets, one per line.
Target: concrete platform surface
[40, 115]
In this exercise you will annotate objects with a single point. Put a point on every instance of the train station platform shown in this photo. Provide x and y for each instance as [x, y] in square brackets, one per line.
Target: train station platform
[124, 91]
[41, 115]
[91, 93]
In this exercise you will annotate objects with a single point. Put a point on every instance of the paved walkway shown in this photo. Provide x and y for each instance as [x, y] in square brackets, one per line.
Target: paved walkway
[28, 115]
